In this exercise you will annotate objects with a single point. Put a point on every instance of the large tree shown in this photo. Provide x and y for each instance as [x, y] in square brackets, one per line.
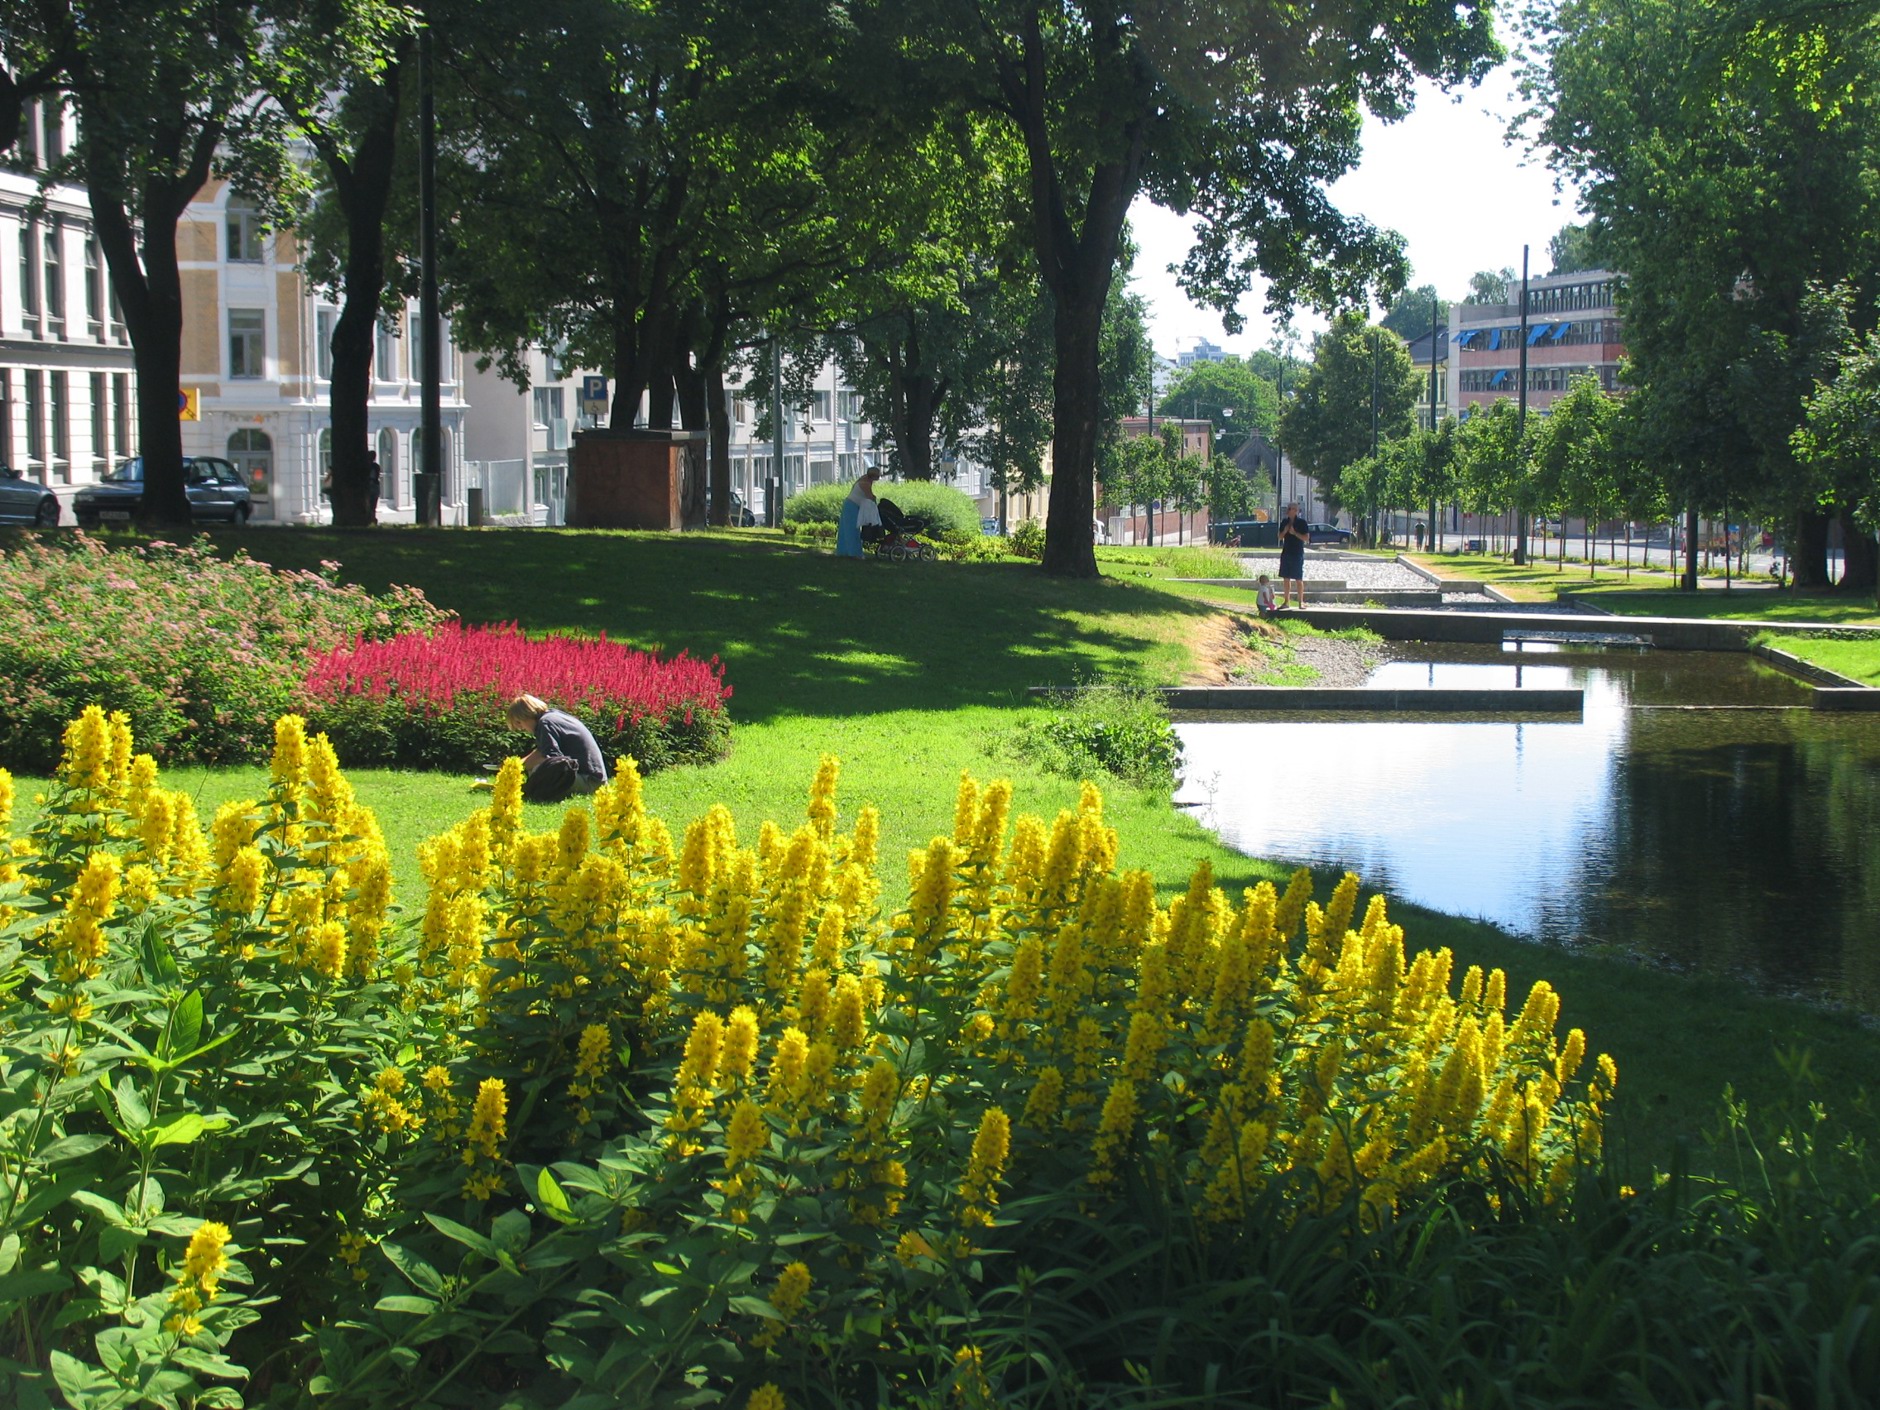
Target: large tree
[1727, 151]
[1231, 395]
[1236, 113]
[166, 94]
[340, 69]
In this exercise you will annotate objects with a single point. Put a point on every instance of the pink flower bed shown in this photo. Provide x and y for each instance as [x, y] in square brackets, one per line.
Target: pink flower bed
[433, 698]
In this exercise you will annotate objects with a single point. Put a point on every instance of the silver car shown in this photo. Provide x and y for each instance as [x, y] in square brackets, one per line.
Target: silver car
[24, 501]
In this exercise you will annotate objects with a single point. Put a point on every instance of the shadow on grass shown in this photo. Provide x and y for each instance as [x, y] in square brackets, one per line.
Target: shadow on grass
[801, 632]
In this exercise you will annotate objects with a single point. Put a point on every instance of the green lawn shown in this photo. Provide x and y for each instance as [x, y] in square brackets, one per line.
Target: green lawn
[1858, 660]
[912, 672]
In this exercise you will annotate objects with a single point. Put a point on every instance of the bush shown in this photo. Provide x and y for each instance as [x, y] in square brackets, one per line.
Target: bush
[1027, 539]
[947, 510]
[201, 654]
[1121, 730]
[437, 699]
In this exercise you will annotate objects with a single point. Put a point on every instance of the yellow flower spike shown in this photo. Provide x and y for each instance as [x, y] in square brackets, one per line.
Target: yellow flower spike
[571, 841]
[1045, 1100]
[120, 748]
[745, 1134]
[767, 1397]
[966, 812]
[787, 1089]
[848, 1016]
[140, 888]
[1495, 993]
[978, 1192]
[988, 838]
[6, 806]
[1290, 910]
[930, 878]
[506, 806]
[865, 841]
[740, 1047]
[199, 1278]
[79, 944]
[1143, 1046]
[822, 797]
[1114, 1129]
[86, 763]
[288, 766]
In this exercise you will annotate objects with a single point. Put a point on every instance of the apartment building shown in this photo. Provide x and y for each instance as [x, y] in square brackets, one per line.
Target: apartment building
[1572, 329]
[257, 351]
[825, 441]
[67, 398]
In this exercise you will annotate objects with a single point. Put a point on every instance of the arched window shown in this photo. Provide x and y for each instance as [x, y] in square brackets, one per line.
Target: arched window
[389, 480]
[253, 454]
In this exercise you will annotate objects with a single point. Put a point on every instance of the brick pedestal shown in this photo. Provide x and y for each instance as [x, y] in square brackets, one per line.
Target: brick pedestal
[630, 479]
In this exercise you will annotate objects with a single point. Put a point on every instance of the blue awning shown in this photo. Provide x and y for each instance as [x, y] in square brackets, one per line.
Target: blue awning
[1494, 338]
[1537, 333]
[1499, 378]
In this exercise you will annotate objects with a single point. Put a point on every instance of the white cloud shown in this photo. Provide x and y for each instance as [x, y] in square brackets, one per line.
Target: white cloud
[1444, 178]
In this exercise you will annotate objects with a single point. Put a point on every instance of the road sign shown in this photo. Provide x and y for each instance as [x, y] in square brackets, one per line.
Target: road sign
[188, 407]
[594, 395]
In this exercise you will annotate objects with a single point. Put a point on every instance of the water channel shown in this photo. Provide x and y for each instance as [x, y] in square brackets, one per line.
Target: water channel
[1741, 841]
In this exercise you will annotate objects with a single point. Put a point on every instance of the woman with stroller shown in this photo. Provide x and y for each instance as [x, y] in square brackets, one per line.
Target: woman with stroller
[858, 509]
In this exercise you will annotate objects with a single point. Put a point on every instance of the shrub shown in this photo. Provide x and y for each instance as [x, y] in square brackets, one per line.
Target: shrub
[1122, 730]
[437, 699]
[200, 653]
[1027, 539]
[947, 510]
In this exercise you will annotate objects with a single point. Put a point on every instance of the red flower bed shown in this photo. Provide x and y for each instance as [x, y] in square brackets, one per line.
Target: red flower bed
[435, 699]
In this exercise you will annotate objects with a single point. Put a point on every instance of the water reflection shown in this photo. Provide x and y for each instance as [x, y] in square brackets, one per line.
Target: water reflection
[1742, 841]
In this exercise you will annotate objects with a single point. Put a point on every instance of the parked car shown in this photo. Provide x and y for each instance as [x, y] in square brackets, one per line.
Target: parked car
[217, 493]
[24, 501]
[1327, 533]
[1245, 533]
[741, 516]
[989, 525]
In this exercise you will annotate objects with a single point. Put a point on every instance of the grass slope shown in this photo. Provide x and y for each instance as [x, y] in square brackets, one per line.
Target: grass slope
[912, 672]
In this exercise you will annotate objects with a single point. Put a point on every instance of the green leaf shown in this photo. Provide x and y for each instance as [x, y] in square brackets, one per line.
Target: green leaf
[458, 1233]
[132, 1113]
[116, 1240]
[159, 959]
[553, 1199]
[185, 1025]
[420, 1274]
[71, 1148]
[112, 1211]
[182, 1129]
[17, 1287]
[78, 1381]
[405, 1302]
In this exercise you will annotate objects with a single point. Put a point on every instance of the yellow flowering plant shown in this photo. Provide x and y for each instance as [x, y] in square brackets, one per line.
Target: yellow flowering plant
[196, 1027]
[823, 1118]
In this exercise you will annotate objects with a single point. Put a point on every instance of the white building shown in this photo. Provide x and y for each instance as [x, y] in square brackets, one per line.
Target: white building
[517, 443]
[257, 350]
[67, 398]
[825, 441]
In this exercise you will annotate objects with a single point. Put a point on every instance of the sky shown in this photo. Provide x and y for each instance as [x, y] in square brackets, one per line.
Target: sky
[1443, 178]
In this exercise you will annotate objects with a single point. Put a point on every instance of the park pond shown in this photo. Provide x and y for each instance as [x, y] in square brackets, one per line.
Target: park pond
[1742, 840]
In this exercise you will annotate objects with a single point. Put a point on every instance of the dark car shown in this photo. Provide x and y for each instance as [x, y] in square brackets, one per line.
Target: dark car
[216, 490]
[1327, 533]
[741, 516]
[1245, 533]
[24, 501]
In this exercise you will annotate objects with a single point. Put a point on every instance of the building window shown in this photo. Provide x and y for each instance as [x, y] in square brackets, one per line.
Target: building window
[121, 412]
[324, 323]
[94, 284]
[55, 276]
[6, 416]
[253, 454]
[100, 448]
[385, 358]
[548, 407]
[61, 429]
[244, 234]
[818, 406]
[55, 131]
[29, 281]
[247, 342]
[36, 422]
[324, 454]
[388, 465]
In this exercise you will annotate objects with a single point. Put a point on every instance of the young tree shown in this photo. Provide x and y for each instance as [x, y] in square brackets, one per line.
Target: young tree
[1572, 466]
[1231, 395]
[1360, 391]
[1234, 113]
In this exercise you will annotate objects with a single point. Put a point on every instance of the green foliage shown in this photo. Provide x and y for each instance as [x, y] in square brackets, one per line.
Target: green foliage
[200, 652]
[1119, 730]
[1027, 538]
[948, 510]
[1328, 423]
[1409, 314]
[1231, 395]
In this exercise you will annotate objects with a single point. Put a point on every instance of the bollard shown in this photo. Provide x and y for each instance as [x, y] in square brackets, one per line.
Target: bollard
[475, 497]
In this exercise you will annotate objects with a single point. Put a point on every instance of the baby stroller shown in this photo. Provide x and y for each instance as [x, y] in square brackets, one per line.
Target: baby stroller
[894, 537]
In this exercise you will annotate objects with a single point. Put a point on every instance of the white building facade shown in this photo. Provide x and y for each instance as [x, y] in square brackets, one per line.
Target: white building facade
[67, 390]
[257, 342]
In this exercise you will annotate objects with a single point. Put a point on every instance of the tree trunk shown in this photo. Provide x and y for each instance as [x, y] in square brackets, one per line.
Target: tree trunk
[694, 415]
[720, 414]
[1688, 582]
[1808, 551]
[1860, 557]
[919, 409]
[363, 187]
[1069, 535]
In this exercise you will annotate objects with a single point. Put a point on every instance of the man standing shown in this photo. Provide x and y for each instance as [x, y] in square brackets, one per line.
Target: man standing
[1293, 537]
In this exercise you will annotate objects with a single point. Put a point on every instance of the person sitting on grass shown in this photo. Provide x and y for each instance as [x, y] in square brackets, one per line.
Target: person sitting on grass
[562, 744]
[1265, 598]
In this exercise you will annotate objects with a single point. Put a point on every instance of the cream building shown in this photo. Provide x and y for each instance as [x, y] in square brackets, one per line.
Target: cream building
[256, 351]
[67, 398]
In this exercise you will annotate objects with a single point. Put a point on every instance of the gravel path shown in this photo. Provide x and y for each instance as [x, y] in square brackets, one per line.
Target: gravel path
[1366, 574]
